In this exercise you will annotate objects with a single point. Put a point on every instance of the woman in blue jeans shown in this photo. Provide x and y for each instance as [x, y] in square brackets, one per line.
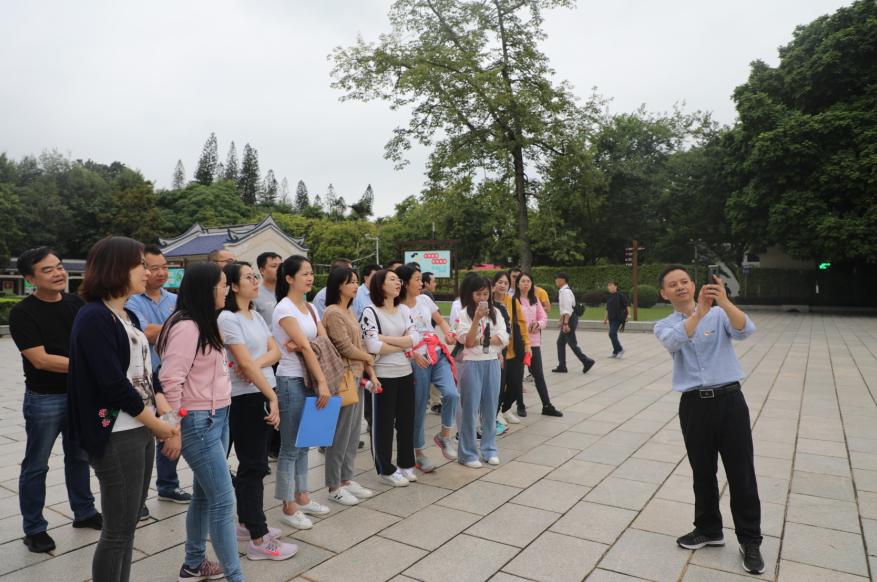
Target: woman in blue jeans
[195, 375]
[432, 364]
[294, 324]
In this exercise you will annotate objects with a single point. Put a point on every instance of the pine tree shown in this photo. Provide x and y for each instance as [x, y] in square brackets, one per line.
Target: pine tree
[329, 201]
[248, 181]
[284, 192]
[232, 166]
[220, 172]
[302, 200]
[179, 180]
[318, 204]
[268, 194]
[340, 208]
[206, 169]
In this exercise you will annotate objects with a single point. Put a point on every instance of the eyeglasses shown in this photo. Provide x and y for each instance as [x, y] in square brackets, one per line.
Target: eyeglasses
[227, 288]
[251, 277]
[145, 266]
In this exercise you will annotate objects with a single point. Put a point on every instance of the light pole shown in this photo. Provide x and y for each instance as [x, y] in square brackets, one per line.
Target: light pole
[377, 248]
[694, 242]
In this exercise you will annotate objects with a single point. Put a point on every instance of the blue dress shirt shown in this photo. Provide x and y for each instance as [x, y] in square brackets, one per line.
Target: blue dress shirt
[362, 300]
[706, 358]
[148, 311]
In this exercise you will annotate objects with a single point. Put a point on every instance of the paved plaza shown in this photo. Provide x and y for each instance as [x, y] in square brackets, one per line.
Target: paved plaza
[599, 495]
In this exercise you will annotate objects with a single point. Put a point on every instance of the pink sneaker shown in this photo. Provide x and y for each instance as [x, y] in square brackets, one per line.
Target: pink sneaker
[271, 549]
[244, 534]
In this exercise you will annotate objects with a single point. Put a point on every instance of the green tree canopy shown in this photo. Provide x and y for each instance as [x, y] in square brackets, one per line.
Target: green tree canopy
[214, 205]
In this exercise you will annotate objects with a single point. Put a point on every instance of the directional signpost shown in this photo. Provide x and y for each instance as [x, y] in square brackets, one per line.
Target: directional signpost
[631, 260]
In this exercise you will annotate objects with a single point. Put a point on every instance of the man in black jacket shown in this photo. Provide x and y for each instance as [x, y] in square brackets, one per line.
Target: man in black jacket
[617, 314]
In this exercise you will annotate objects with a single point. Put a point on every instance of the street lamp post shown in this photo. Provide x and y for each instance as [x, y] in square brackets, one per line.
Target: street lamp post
[377, 248]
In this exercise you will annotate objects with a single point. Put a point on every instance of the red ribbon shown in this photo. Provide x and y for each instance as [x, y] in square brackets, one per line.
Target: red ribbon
[430, 340]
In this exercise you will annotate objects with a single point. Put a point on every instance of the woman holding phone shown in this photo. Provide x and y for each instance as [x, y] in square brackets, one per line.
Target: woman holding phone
[537, 319]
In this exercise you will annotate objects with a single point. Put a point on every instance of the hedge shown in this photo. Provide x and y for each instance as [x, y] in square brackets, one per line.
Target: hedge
[9, 303]
[584, 279]
[646, 296]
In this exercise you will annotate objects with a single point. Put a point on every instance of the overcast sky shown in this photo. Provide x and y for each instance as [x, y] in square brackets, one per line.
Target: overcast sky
[145, 83]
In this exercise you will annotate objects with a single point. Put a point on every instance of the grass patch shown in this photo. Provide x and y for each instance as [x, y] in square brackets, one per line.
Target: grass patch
[593, 313]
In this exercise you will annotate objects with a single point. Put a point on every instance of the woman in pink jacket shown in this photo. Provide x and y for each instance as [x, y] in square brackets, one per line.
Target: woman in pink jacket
[195, 375]
[536, 321]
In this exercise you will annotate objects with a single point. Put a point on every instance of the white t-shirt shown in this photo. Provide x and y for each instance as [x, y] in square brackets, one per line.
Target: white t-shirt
[289, 363]
[253, 334]
[138, 365]
[456, 306]
[421, 314]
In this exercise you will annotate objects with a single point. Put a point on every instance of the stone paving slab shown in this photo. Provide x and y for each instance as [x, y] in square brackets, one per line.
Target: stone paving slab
[599, 495]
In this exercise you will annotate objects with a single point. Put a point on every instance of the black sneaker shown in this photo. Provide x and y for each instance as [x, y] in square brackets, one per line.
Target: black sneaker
[437, 409]
[361, 445]
[752, 560]
[551, 411]
[273, 456]
[144, 513]
[96, 521]
[589, 363]
[696, 540]
[522, 411]
[560, 370]
[178, 495]
[39, 543]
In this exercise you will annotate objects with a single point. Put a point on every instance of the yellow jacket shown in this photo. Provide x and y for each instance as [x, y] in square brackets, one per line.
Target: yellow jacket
[522, 325]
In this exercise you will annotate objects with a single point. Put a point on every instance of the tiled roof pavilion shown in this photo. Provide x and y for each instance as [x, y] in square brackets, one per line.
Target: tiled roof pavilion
[198, 241]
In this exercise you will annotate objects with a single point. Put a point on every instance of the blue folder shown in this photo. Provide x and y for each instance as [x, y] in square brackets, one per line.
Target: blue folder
[317, 427]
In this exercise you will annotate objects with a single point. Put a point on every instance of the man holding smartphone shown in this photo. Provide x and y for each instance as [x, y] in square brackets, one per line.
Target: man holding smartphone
[712, 411]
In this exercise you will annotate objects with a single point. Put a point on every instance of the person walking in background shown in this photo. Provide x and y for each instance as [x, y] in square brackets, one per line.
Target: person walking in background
[429, 285]
[295, 324]
[153, 308]
[112, 398]
[264, 303]
[41, 325]
[567, 323]
[713, 413]
[254, 413]
[483, 337]
[388, 330]
[518, 347]
[344, 332]
[537, 319]
[363, 295]
[320, 299]
[617, 314]
[196, 376]
[431, 364]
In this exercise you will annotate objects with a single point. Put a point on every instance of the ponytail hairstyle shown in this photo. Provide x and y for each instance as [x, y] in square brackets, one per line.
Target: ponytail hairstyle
[405, 273]
[288, 268]
[467, 296]
[233, 275]
[196, 303]
[531, 296]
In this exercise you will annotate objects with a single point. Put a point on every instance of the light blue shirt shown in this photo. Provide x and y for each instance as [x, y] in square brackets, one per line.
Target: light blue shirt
[362, 300]
[320, 303]
[706, 358]
[148, 311]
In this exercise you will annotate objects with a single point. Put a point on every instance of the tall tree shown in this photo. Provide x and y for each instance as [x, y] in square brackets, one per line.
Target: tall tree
[284, 192]
[478, 86]
[269, 189]
[302, 200]
[248, 181]
[803, 151]
[9, 233]
[215, 205]
[363, 209]
[133, 213]
[206, 170]
[179, 179]
[232, 166]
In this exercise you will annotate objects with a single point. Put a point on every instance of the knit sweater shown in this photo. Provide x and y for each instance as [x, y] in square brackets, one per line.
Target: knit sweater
[343, 329]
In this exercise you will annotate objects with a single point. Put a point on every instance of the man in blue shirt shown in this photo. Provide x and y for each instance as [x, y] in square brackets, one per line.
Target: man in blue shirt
[712, 411]
[363, 297]
[320, 298]
[153, 308]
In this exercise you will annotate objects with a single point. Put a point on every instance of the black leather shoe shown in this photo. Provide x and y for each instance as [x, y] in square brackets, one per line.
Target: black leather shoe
[96, 521]
[39, 543]
[588, 365]
[522, 412]
[560, 370]
[551, 411]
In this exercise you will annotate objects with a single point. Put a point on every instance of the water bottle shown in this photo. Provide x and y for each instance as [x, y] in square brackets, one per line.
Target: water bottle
[452, 333]
[367, 385]
[174, 416]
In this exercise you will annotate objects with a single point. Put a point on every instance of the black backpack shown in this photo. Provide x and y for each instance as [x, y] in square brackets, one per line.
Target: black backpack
[578, 307]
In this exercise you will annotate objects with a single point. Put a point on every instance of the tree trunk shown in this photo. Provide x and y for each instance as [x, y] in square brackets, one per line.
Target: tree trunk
[523, 218]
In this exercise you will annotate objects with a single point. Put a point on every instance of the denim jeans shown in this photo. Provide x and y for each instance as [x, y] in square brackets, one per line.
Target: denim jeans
[166, 480]
[479, 389]
[442, 376]
[292, 465]
[613, 336]
[45, 416]
[124, 474]
[205, 441]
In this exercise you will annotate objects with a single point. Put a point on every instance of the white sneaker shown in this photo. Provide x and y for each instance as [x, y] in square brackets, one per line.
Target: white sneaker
[342, 496]
[313, 508]
[297, 520]
[409, 474]
[619, 354]
[501, 419]
[243, 534]
[493, 461]
[473, 464]
[511, 418]
[358, 490]
[396, 479]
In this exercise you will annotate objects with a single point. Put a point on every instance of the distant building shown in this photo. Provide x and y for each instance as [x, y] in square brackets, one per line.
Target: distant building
[246, 241]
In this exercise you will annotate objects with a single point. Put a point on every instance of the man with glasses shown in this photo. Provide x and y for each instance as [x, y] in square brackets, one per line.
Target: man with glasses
[41, 326]
[221, 257]
[153, 308]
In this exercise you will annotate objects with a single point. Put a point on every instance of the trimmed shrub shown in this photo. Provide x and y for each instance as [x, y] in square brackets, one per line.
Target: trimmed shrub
[550, 289]
[4, 315]
[646, 297]
[9, 303]
[594, 298]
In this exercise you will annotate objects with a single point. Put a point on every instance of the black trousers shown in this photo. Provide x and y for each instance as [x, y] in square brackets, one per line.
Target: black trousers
[539, 375]
[569, 339]
[514, 383]
[713, 426]
[393, 409]
[251, 436]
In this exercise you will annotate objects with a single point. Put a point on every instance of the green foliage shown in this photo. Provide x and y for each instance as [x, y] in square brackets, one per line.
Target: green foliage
[214, 205]
[302, 200]
[9, 303]
[4, 315]
[248, 181]
[803, 152]
[550, 289]
[593, 278]
[646, 296]
[9, 233]
[132, 212]
[206, 170]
